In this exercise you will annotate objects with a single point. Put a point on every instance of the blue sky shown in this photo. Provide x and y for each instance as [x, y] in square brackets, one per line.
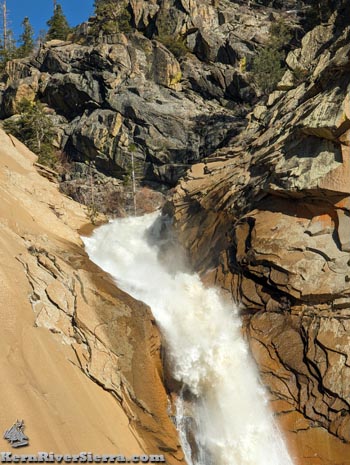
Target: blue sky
[39, 11]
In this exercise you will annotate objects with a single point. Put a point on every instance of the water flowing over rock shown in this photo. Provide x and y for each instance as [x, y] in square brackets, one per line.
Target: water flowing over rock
[264, 213]
[268, 220]
[221, 409]
[80, 358]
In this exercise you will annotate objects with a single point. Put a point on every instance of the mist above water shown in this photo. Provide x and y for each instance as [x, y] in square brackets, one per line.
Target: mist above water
[228, 417]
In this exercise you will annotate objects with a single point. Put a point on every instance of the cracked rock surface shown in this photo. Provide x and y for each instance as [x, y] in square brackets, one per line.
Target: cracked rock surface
[80, 359]
[268, 219]
[133, 93]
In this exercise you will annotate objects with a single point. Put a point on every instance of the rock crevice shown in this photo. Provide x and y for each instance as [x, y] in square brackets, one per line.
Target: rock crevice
[267, 220]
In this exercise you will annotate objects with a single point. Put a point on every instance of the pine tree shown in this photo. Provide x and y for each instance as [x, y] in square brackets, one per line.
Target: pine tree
[27, 41]
[58, 25]
[35, 129]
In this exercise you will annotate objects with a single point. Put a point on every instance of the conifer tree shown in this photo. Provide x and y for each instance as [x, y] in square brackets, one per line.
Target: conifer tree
[58, 25]
[27, 41]
[34, 128]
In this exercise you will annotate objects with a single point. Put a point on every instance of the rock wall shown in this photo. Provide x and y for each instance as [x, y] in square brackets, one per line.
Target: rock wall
[267, 219]
[80, 359]
[264, 215]
[171, 91]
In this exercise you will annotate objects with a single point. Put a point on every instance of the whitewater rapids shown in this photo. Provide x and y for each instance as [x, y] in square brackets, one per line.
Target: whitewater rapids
[232, 422]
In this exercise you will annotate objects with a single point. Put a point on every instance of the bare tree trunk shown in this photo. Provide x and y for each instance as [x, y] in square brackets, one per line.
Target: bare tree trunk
[4, 21]
[133, 182]
[92, 188]
[38, 140]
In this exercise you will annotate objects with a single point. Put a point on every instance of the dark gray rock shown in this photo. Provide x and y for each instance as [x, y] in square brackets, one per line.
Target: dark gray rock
[128, 92]
[69, 94]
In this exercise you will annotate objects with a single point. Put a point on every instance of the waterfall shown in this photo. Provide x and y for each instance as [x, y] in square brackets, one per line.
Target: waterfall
[222, 406]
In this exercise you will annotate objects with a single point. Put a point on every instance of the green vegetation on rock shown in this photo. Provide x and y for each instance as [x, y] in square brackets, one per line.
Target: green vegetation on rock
[34, 128]
[268, 64]
[267, 68]
[175, 44]
[280, 34]
[112, 16]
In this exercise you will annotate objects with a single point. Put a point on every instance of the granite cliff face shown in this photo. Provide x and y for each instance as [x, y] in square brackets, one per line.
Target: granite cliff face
[168, 101]
[268, 219]
[80, 359]
[264, 213]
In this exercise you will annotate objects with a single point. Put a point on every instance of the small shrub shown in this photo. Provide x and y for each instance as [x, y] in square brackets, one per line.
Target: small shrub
[268, 65]
[175, 44]
[267, 69]
[280, 34]
[112, 16]
[176, 79]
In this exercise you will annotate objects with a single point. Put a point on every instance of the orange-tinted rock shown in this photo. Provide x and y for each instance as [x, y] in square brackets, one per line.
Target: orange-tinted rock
[283, 206]
[80, 359]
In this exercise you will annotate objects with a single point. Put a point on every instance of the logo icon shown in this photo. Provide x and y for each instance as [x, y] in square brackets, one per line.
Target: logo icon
[15, 435]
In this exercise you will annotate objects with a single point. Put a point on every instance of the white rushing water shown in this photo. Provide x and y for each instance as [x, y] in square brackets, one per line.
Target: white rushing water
[229, 416]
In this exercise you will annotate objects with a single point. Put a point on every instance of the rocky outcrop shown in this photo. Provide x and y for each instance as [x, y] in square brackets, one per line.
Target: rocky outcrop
[171, 92]
[267, 219]
[116, 98]
[80, 359]
[264, 214]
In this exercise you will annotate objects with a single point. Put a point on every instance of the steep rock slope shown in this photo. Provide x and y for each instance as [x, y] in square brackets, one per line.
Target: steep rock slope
[80, 360]
[128, 93]
[268, 219]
